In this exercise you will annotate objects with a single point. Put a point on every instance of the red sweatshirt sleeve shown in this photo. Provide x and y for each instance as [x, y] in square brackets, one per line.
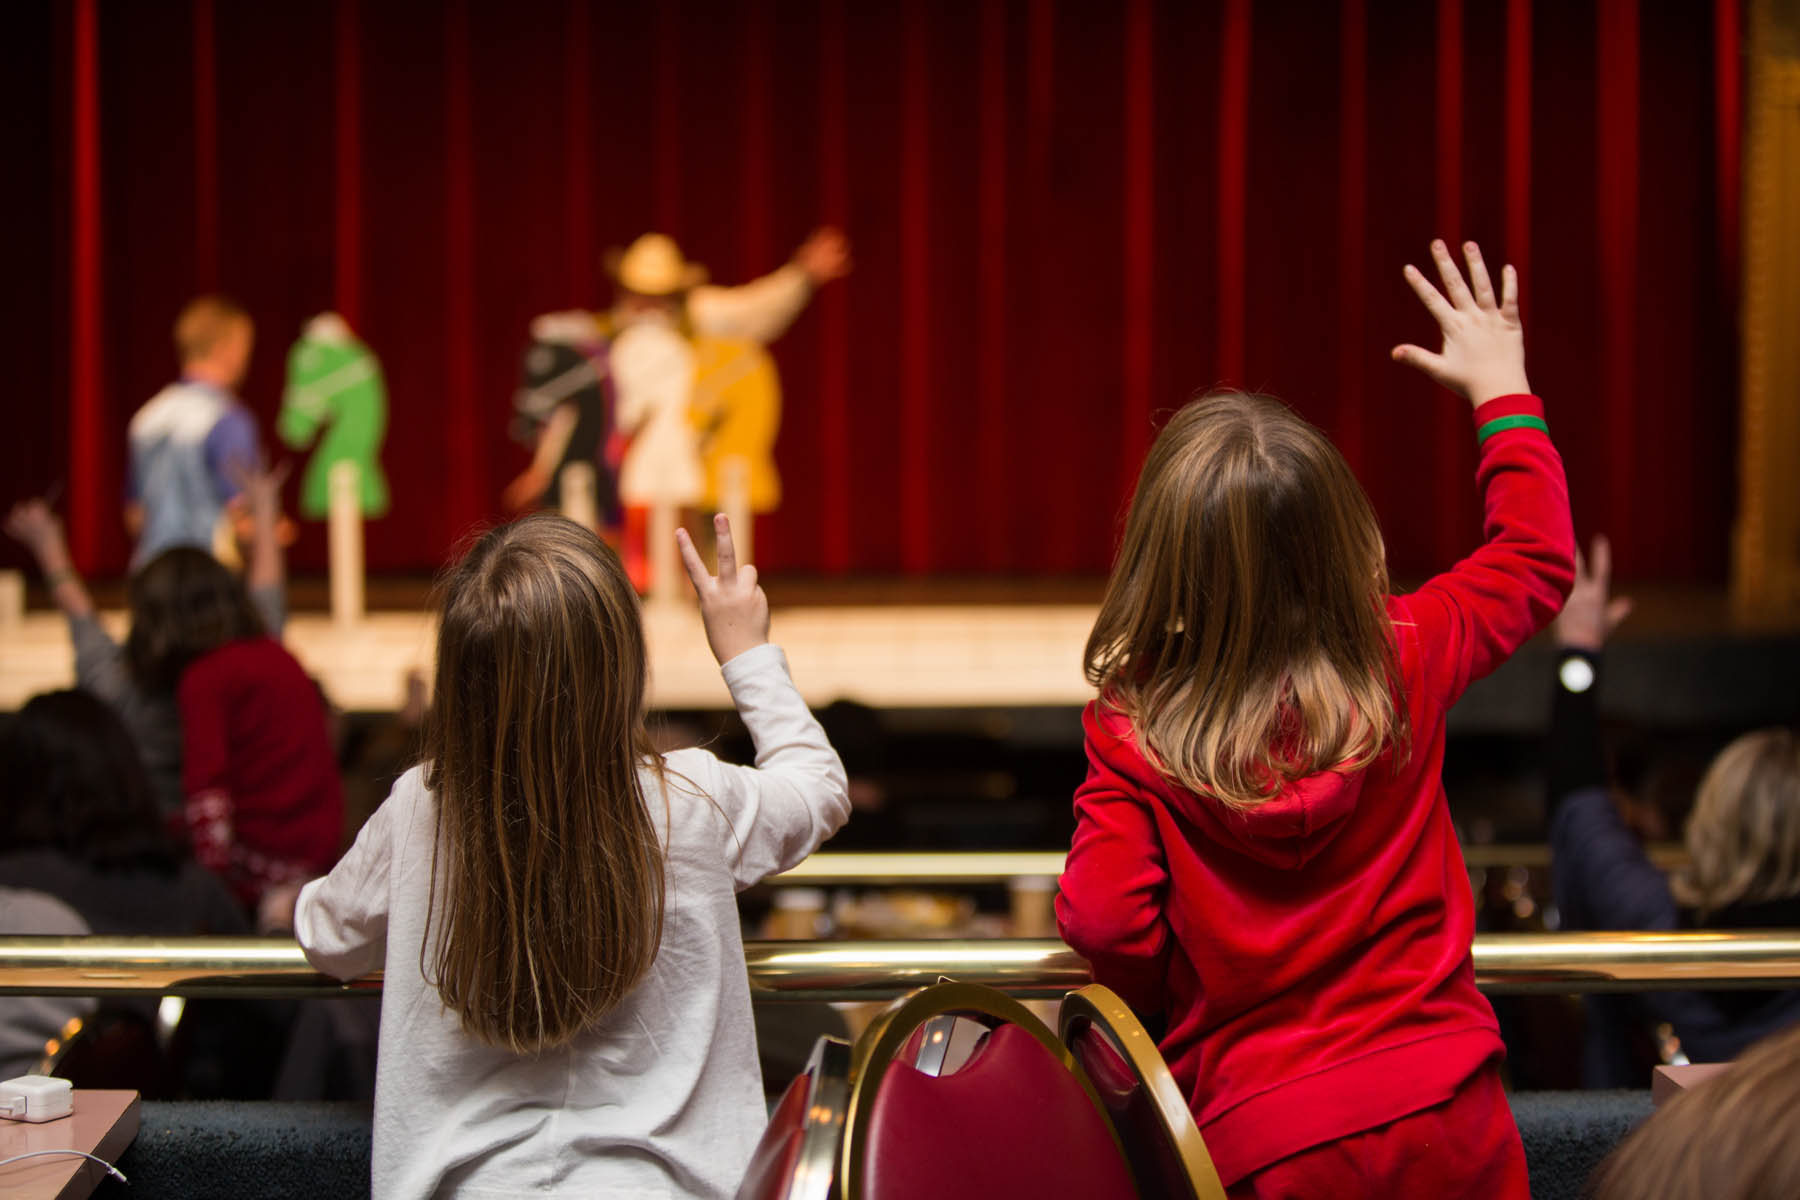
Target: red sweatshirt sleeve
[205, 780]
[1471, 618]
[1114, 885]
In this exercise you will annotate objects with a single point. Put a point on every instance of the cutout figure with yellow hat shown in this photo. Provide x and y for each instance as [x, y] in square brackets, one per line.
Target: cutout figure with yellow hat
[695, 398]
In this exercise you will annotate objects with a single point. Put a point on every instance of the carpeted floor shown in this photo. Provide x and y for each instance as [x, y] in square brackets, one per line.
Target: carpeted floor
[200, 1151]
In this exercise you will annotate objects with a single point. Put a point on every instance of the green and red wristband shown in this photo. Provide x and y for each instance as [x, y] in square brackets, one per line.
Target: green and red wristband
[1509, 412]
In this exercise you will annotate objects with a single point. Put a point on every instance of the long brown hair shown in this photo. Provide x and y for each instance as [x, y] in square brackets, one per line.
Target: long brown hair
[1743, 837]
[1244, 632]
[547, 872]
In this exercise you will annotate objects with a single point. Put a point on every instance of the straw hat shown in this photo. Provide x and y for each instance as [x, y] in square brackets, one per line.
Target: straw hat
[653, 266]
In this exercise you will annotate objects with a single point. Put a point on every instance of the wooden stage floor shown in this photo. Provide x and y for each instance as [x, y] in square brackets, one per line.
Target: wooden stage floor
[930, 643]
[886, 656]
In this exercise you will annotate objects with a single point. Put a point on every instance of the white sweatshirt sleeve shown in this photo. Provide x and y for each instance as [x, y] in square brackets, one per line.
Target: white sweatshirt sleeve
[760, 310]
[341, 919]
[796, 795]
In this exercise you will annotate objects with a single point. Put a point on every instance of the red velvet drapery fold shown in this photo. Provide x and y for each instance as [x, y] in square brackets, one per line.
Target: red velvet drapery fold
[1067, 218]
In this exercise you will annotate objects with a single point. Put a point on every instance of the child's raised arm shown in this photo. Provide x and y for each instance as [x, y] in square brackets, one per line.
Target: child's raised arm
[1471, 618]
[797, 795]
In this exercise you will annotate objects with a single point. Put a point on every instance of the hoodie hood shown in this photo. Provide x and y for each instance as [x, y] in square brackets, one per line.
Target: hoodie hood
[1284, 831]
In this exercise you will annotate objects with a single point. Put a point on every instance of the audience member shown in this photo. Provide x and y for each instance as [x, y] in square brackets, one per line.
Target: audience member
[30, 1025]
[1742, 838]
[80, 829]
[1730, 1137]
[554, 903]
[119, 674]
[80, 825]
[212, 697]
[1263, 850]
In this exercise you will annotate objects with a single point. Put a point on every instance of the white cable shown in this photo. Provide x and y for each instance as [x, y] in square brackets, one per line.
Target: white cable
[110, 1169]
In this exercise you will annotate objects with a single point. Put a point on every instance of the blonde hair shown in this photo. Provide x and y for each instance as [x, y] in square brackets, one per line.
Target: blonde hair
[203, 323]
[1244, 631]
[1723, 1139]
[547, 871]
[1743, 837]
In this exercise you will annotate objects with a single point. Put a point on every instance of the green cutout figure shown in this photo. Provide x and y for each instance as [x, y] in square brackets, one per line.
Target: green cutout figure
[334, 380]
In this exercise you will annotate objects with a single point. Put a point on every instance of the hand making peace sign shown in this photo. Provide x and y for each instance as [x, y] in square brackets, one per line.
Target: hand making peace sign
[733, 607]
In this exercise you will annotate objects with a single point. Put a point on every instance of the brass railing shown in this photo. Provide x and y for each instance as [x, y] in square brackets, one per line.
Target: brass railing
[873, 970]
[935, 869]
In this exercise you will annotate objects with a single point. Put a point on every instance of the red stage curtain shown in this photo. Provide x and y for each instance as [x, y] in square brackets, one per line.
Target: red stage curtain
[1067, 218]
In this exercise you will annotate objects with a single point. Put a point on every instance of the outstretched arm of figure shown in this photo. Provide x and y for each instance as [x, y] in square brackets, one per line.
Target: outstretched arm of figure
[763, 309]
[36, 527]
[552, 440]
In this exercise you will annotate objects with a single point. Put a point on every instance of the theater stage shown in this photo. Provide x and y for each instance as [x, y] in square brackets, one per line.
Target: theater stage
[982, 643]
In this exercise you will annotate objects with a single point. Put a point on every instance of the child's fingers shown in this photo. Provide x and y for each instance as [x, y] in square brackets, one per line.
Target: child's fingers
[1478, 275]
[1434, 301]
[1602, 560]
[690, 558]
[1454, 287]
[1617, 611]
[727, 550]
[1421, 359]
[1509, 292]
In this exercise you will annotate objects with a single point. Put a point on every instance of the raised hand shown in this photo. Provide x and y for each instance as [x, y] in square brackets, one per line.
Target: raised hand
[261, 489]
[1591, 612]
[733, 607]
[35, 527]
[1484, 343]
[824, 256]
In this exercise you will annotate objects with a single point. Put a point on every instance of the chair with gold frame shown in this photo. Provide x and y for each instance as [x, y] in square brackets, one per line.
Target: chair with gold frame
[1019, 1117]
[1140, 1095]
[797, 1157]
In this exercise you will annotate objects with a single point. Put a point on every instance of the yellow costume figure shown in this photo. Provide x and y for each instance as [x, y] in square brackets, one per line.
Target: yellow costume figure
[696, 392]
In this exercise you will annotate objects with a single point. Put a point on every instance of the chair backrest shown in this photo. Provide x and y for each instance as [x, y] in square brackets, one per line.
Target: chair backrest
[1018, 1118]
[1142, 1097]
[797, 1157]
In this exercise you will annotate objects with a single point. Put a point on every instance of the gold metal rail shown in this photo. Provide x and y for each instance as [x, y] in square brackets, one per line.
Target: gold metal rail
[935, 869]
[1504, 963]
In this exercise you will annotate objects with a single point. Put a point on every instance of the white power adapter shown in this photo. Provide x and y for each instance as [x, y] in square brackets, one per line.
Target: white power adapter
[36, 1098]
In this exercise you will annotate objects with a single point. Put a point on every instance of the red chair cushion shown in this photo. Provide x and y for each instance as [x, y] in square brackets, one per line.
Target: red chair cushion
[772, 1166]
[1012, 1122]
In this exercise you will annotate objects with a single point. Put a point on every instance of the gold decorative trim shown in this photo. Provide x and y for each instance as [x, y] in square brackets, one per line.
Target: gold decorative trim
[1765, 568]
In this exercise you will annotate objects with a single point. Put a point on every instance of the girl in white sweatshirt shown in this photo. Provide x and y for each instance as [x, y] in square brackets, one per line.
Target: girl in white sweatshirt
[565, 1008]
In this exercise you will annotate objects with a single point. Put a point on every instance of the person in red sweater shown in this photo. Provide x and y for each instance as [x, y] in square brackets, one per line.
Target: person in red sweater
[1263, 851]
[264, 802]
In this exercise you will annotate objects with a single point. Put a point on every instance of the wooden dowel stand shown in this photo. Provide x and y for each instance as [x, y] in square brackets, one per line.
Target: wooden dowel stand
[577, 490]
[734, 502]
[665, 565]
[344, 532]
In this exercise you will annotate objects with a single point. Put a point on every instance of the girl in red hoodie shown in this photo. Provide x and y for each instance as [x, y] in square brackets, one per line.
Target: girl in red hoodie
[1263, 851]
